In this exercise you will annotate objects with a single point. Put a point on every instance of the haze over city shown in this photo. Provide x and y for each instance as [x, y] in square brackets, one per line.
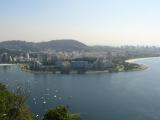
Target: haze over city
[79, 60]
[93, 22]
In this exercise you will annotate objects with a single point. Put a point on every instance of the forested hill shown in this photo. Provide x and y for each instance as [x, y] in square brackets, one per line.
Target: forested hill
[58, 45]
[18, 46]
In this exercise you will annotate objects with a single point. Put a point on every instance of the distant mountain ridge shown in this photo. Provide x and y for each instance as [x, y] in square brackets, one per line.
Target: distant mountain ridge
[57, 45]
[19, 46]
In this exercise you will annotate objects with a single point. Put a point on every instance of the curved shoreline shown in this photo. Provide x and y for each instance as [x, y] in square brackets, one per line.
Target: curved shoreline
[134, 61]
[137, 59]
[7, 64]
[142, 66]
[139, 68]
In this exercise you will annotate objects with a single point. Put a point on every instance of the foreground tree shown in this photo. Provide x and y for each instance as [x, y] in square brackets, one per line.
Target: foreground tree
[60, 113]
[12, 107]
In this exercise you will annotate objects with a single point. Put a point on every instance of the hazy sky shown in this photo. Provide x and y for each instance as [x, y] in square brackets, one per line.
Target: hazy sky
[103, 22]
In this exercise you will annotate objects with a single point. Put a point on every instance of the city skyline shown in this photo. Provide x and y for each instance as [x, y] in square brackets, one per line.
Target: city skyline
[104, 22]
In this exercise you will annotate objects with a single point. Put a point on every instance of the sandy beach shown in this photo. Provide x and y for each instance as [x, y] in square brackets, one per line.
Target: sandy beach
[135, 59]
[7, 64]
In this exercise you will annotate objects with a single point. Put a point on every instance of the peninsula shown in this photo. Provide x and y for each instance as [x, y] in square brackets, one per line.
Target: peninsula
[71, 56]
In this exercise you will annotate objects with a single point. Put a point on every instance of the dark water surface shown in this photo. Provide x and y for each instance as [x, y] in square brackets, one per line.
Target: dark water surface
[104, 96]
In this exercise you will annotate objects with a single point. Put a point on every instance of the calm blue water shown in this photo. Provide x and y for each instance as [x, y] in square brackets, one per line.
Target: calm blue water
[106, 96]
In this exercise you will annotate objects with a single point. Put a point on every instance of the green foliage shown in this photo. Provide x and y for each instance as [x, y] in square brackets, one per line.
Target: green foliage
[65, 71]
[60, 113]
[12, 107]
[89, 59]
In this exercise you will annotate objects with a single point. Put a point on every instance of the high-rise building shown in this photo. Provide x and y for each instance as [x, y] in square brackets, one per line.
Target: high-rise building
[27, 56]
[4, 58]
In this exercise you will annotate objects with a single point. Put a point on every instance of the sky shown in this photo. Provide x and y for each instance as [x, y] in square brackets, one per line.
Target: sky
[93, 22]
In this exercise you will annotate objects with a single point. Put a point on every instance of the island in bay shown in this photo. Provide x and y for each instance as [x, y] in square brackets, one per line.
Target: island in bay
[71, 56]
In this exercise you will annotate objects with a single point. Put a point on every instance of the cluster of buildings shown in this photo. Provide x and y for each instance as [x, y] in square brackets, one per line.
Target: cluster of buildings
[73, 59]
[5, 58]
[8, 58]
